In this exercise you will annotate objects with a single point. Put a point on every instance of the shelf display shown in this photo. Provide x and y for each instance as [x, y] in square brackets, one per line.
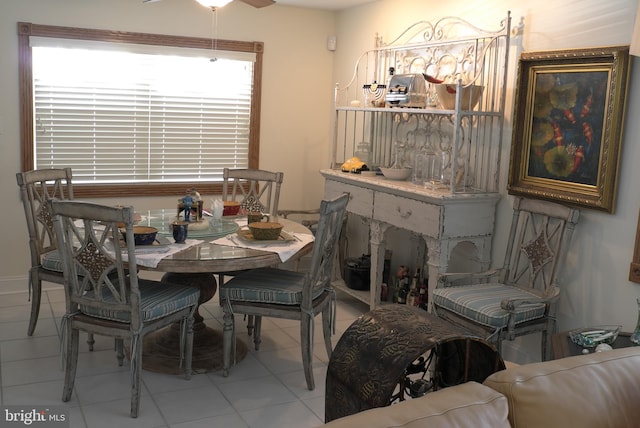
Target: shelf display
[444, 95]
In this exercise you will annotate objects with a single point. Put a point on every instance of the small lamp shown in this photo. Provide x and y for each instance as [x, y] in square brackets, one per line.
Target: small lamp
[635, 39]
[213, 4]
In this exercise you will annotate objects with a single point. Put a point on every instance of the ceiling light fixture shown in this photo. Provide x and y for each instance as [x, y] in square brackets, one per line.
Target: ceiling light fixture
[214, 29]
[214, 4]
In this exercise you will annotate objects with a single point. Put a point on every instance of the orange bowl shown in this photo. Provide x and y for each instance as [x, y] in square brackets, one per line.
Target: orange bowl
[231, 208]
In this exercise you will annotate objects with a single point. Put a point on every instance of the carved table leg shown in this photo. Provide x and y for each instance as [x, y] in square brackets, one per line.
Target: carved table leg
[161, 349]
[376, 241]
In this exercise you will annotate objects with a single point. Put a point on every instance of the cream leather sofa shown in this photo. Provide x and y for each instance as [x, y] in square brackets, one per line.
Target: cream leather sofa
[597, 390]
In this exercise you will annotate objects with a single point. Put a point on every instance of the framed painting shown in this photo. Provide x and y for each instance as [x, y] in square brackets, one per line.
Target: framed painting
[569, 112]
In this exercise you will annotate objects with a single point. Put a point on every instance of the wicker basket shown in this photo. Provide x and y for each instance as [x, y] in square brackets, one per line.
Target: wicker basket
[265, 231]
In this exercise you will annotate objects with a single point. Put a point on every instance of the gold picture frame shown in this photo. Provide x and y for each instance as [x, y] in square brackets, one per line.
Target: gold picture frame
[634, 269]
[569, 111]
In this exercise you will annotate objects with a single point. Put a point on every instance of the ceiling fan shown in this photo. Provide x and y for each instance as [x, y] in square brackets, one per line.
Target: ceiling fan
[219, 3]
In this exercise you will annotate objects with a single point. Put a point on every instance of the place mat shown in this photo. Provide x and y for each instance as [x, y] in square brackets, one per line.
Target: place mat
[160, 245]
[285, 251]
[147, 257]
[247, 236]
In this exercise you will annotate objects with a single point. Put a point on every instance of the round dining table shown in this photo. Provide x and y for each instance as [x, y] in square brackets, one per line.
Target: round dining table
[198, 265]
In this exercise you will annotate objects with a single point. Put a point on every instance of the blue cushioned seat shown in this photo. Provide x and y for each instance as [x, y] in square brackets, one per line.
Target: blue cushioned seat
[52, 261]
[156, 301]
[267, 285]
[481, 303]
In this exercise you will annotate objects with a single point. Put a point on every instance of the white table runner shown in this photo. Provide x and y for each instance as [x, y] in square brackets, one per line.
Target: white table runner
[285, 250]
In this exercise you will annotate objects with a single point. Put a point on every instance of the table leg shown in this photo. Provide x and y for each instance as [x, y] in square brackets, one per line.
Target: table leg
[161, 350]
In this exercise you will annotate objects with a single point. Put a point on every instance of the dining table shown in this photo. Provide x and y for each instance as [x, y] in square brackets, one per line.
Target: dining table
[212, 247]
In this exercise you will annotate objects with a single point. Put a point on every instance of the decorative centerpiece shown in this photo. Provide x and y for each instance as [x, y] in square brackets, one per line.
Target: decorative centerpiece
[591, 337]
[190, 206]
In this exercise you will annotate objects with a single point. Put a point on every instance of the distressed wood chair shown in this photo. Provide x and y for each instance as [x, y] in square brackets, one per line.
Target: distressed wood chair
[36, 188]
[280, 293]
[256, 190]
[519, 298]
[103, 297]
[309, 218]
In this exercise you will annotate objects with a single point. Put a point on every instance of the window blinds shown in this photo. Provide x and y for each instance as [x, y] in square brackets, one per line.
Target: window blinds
[131, 117]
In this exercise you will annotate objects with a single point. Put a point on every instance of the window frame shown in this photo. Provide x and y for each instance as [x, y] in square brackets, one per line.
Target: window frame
[26, 30]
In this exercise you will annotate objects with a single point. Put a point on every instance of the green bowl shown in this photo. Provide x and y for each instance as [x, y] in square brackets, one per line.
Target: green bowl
[265, 231]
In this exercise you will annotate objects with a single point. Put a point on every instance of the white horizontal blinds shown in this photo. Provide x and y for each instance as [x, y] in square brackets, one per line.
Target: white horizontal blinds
[123, 117]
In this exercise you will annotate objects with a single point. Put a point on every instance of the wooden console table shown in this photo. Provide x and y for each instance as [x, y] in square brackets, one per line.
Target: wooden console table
[439, 222]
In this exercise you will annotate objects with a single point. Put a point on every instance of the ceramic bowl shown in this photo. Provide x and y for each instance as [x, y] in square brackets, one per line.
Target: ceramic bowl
[142, 235]
[447, 96]
[265, 230]
[396, 173]
[231, 208]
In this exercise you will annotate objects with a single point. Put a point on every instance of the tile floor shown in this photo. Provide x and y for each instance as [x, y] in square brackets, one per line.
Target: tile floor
[267, 389]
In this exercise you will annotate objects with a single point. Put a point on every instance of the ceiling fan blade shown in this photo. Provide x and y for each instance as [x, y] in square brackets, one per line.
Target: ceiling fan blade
[258, 3]
[150, 1]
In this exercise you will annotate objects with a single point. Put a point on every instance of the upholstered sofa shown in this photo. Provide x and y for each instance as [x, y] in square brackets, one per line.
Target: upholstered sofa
[597, 390]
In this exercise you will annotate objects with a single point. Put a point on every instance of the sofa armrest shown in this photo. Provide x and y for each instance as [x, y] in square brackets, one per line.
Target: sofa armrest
[452, 407]
[588, 391]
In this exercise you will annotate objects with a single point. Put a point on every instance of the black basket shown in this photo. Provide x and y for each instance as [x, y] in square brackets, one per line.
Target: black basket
[357, 273]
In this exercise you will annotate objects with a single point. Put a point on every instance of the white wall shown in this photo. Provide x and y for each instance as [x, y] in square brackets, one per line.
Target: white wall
[596, 289]
[296, 98]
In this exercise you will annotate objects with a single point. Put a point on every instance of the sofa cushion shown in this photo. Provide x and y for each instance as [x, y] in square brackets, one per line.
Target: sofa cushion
[588, 391]
[464, 405]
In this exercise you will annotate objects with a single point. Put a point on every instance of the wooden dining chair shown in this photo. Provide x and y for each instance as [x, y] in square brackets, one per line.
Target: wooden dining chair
[521, 297]
[309, 219]
[103, 297]
[36, 188]
[256, 190]
[280, 293]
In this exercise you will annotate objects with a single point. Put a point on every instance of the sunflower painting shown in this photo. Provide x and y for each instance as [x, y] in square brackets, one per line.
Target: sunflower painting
[569, 112]
[566, 129]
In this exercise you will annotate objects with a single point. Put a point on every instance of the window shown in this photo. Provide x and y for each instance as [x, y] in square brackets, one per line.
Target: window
[134, 117]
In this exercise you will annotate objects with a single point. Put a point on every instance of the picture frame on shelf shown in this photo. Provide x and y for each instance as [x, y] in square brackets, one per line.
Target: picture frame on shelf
[569, 111]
